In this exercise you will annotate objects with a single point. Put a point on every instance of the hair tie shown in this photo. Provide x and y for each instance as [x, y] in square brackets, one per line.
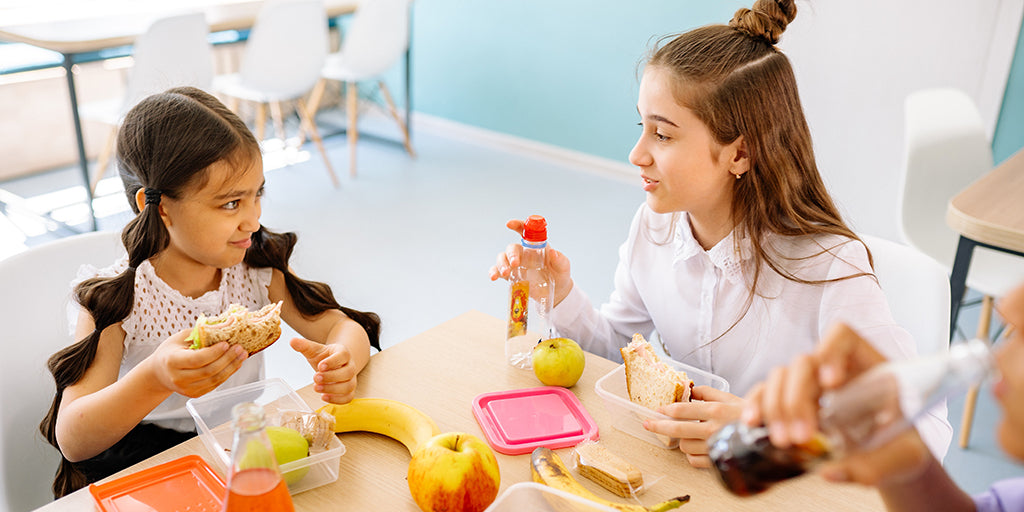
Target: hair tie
[131, 269]
[153, 195]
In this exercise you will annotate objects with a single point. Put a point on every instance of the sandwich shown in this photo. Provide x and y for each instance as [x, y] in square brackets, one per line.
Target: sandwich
[607, 469]
[253, 330]
[651, 382]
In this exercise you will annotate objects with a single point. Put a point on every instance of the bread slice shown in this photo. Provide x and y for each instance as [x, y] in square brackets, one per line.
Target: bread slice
[253, 330]
[651, 382]
[607, 469]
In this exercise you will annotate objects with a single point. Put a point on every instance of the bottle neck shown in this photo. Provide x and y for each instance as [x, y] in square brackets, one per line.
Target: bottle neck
[533, 244]
[251, 447]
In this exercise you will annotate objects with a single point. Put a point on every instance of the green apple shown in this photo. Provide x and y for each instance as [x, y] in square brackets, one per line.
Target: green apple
[558, 362]
[454, 472]
[288, 444]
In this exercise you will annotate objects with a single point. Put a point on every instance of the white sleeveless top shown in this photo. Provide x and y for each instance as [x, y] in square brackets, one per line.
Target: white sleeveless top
[160, 311]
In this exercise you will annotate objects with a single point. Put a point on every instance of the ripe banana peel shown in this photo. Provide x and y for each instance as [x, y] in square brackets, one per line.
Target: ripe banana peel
[547, 468]
[391, 418]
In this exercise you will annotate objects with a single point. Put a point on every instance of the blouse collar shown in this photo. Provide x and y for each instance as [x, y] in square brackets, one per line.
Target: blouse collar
[723, 255]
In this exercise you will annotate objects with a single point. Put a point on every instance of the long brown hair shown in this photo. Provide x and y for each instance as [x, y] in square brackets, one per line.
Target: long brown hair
[739, 84]
[167, 142]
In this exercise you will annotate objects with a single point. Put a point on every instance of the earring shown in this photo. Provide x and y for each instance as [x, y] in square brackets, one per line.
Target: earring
[738, 175]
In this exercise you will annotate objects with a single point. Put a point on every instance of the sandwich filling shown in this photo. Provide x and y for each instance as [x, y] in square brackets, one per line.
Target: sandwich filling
[254, 330]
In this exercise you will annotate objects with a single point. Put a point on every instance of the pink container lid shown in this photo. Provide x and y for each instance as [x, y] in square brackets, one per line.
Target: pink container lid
[518, 420]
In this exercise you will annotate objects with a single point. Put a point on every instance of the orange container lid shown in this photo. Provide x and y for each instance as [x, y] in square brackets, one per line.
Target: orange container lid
[186, 483]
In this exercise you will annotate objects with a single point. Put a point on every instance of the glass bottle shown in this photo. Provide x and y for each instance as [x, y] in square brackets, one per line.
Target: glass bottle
[531, 294]
[865, 414]
[254, 479]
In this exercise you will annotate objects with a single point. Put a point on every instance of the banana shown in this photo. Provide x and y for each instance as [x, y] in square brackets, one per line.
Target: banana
[391, 418]
[548, 469]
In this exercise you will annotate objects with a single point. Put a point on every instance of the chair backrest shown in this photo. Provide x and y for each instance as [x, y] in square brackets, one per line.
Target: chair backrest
[377, 37]
[917, 289]
[286, 49]
[34, 316]
[174, 51]
[946, 149]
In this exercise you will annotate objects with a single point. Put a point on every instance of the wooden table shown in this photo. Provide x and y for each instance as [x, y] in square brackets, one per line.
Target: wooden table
[440, 372]
[989, 213]
[76, 29]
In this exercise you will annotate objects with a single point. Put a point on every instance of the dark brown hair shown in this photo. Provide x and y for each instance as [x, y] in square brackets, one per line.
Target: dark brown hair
[167, 142]
[738, 83]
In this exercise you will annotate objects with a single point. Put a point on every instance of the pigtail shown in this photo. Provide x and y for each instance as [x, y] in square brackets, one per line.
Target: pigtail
[109, 300]
[274, 250]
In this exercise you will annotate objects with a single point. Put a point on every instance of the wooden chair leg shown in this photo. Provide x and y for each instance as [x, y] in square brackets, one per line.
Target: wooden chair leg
[316, 96]
[307, 120]
[967, 421]
[353, 119]
[261, 121]
[103, 160]
[313, 106]
[278, 117]
[398, 118]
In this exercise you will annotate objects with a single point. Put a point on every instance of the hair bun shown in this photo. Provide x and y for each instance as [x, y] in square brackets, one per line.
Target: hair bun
[766, 20]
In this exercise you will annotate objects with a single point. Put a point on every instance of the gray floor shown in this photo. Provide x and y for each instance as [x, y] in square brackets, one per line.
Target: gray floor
[413, 239]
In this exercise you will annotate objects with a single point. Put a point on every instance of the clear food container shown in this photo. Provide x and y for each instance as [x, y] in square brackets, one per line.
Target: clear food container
[534, 497]
[629, 417]
[212, 413]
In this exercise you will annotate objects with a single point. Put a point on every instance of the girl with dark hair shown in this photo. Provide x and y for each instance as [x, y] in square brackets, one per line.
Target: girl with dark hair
[193, 174]
[739, 259]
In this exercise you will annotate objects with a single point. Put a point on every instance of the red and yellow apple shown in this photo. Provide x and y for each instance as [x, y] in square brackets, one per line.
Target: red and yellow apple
[454, 472]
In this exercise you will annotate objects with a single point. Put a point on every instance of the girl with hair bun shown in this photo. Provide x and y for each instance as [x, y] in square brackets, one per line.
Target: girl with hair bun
[193, 175]
[739, 259]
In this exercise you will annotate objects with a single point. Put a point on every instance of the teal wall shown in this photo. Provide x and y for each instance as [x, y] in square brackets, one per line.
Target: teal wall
[545, 70]
[551, 71]
[1009, 136]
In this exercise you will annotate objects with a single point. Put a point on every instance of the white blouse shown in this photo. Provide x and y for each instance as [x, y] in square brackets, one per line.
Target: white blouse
[160, 311]
[700, 305]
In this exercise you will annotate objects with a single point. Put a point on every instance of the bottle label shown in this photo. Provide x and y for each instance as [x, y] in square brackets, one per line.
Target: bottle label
[519, 298]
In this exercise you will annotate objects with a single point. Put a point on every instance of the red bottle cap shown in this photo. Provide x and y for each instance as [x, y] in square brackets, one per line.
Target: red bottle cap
[536, 229]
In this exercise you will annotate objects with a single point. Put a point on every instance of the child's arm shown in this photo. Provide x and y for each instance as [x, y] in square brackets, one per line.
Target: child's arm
[98, 410]
[341, 349]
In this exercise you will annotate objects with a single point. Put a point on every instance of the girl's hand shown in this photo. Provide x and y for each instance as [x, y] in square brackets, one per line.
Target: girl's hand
[335, 377]
[694, 422]
[787, 403]
[556, 263]
[195, 372]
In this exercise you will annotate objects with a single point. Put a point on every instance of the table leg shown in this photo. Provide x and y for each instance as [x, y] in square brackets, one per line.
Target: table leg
[83, 162]
[408, 80]
[958, 279]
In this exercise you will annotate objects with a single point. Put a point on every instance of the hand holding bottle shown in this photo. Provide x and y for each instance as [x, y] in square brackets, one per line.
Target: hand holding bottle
[556, 263]
[788, 404]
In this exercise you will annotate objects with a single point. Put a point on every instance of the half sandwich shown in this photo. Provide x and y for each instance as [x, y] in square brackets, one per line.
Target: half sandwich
[253, 330]
[651, 382]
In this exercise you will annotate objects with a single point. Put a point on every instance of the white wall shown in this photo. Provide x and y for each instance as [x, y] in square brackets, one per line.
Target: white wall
[857, 60]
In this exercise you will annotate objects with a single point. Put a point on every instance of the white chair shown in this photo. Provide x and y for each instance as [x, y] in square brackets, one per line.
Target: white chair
[377, 37]
[946, 149]
[173, 51]
[33, 312]
[281, 62]
[917, 290]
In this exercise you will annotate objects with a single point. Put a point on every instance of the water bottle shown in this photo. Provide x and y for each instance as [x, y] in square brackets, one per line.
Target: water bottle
[531, 294]
[865, 414]
[254, 478]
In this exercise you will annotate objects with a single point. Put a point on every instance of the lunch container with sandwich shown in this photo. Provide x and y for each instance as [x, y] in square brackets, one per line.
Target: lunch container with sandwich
[212, 413]
[541, 498]
[629, 417]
